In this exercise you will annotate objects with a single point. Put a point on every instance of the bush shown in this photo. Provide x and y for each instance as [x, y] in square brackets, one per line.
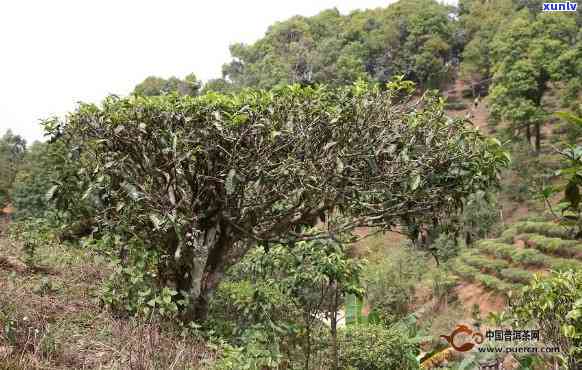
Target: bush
[257, 353]
[544, 228]
[516, 275]
[132, 289]
[485, 264]
[491, 282]
[556, 246]
[465, 271]
[554, 304]
[375, 347]
[480, 216]
[513, 253]
[508, 236]
[390, 284]
[239, 305]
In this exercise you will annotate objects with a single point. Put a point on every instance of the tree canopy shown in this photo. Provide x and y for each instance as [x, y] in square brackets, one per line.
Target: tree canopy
[215, 174]
[153, 86]
[415, 38]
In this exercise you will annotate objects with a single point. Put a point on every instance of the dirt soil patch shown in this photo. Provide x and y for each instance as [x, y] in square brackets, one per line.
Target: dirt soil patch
[471, 294]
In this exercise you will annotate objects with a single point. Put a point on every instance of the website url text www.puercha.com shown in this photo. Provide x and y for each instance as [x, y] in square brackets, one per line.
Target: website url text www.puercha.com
[519, 349]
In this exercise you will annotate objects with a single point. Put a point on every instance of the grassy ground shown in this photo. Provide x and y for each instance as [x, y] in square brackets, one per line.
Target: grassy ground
[51, 318]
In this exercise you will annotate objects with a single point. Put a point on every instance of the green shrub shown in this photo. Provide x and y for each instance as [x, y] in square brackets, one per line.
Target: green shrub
[510, 252]
[463, 270]
[132, 289]
[390, 283]
[516, 275]
[508, 236]
[555, 246]
[529, 257]
[491, 282]
[239, 305]
[562, 264]
[554, 305]
[485, 264]
[257, 353]
[375, 347]
[545, 228]
[480, 216]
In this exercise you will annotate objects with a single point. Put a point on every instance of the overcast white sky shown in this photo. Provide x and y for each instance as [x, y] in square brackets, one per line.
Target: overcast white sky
[55, 53]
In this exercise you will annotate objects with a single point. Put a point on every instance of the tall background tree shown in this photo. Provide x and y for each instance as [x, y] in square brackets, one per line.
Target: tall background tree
[415, 38]
[153, 86]
[531, 53]
[12, 151]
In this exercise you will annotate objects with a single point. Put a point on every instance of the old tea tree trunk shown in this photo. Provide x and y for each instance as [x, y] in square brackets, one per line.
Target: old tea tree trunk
[194, 182]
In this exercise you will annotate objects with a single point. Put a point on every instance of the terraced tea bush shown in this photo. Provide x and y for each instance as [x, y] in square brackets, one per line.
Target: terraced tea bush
[508, 236]
[562, 264]
[544, 228]
[485, 264]
[529, 257]
[463, 270]
[491, 282]
[555, 246]
[516, 275]
[501, 250]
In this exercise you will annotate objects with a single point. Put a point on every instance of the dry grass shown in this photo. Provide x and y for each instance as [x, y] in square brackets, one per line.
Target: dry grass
[51, 318]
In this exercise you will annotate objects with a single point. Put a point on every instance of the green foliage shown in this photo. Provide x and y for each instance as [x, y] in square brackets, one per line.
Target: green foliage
[286, 292]
[480, 215]
[443, 282]
[481, 20]
[257, 353]
[554, 304]
[526, 56]
[238, 306]
[516, 275]
[513, 253]
[473, 274]
[133, 288]
[375, 347]
[570, 207]
[445, 247]
[554, 246]
[527, 257]
[33, 181]
[354, 306]
[485, 264]
[547, 229]
[390, 284]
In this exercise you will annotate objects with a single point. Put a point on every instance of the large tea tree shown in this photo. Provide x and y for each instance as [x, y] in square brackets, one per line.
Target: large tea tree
[198, 180]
